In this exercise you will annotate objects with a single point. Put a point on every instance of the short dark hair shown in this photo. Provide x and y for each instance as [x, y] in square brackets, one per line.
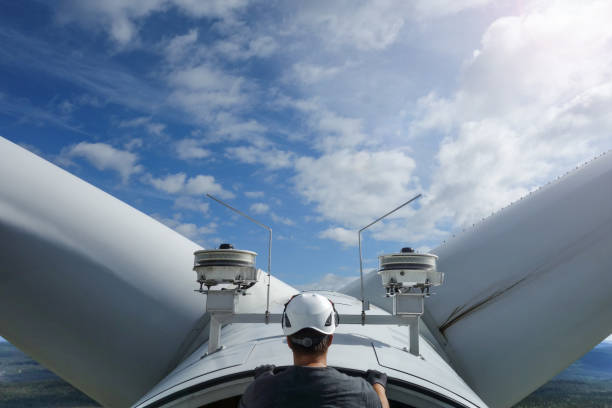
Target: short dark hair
[319, 342]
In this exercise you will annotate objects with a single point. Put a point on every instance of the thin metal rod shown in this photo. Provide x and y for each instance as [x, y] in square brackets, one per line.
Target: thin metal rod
[416, 197]
[269, 244]
[371, 319]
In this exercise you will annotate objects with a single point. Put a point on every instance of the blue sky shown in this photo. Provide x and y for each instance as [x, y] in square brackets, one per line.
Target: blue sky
[314, 118]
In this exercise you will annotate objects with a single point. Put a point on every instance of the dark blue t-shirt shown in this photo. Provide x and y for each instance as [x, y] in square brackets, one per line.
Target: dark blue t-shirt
[299, 386]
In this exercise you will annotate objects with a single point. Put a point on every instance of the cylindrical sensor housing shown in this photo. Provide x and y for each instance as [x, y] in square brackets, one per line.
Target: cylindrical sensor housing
[407, 268]
[225, 265]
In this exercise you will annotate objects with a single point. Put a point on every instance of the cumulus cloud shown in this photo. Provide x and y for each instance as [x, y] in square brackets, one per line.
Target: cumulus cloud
[134, 143]
[254, 194]
[428, 9]
[353, 188]
[244, 45]
[259, 208]
[281, 220]
[178, 48]
[344, 236]
[364, 25]
[272, 158]
[203, 90]
[172, 183]
[121, 20]
[153, 128]
[331, 131]
[191, 203]
[372, 26]
[205, 184]
[311, 73]
[180, 183]
[191, 149]
[188, 229]
[530, 103]
[328, 282]
[104, 157]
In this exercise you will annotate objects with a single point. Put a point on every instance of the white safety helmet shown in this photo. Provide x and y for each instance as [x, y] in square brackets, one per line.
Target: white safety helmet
[309, 310]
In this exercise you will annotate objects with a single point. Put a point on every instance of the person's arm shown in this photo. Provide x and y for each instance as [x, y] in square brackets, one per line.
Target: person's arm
[379, 382]
[382, 394]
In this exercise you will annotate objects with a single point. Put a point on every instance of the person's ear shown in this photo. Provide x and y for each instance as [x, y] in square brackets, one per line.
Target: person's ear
[289, 343]
[331, 339]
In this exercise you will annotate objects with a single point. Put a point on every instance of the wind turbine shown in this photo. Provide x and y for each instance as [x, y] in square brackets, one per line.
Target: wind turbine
[98, 292]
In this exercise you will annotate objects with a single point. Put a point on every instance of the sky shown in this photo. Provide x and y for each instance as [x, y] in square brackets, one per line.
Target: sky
[313, 117]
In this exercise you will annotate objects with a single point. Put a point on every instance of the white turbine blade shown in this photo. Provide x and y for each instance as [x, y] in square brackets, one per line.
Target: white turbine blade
[527, 291]
[90, 287]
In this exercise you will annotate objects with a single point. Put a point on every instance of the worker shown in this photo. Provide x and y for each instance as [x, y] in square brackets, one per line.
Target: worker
[309, 321]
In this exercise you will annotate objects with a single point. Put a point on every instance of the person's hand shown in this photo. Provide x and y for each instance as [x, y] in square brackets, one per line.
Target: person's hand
[267, 369]
[376, 377]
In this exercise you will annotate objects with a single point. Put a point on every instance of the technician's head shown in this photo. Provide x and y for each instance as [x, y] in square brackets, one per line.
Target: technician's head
[309, 321]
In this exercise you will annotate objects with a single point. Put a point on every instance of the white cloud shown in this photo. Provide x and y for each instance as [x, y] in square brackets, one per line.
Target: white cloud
[228, 128]
[191, 149]
[134, 143]
[122, 19]
[272, 158]
[177, 49]
[331, 130]
[371, 26]
[145, 122]
[427, 9]
[189, 230]
[204, 90]
[353, 188]
[311, 73]
[363, 25]
[531, 103]
[104, 157]
[246, 45]
[328, 282]
[204, 184]
[190, 203]
[179, 183]
[259, 208]
[254, 194]
[172, 183]
[281, 220]
[211, 8]
[342, 235]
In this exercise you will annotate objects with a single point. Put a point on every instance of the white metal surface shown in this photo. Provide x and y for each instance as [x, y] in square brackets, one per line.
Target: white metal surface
[355, 347]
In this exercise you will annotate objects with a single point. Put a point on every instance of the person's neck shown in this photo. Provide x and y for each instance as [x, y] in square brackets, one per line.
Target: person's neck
[310, 360]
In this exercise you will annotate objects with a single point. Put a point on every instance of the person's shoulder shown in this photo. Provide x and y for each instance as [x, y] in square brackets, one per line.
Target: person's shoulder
[339, 374]
[259, 390]
[350, 379]
[361, 388]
